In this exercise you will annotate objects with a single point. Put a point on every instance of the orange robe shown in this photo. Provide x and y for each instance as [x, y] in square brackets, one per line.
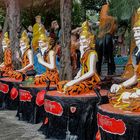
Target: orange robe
[7, 62]
[107, 23]
[51, 75]
[133, 103]
[85, 86]
[25, 62]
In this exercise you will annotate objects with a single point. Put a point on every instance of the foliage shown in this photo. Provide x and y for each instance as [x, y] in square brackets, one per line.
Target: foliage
[92, 4]
[28, 16]
[123, 9]
[29, 13]
[2, 16]
[77, 13]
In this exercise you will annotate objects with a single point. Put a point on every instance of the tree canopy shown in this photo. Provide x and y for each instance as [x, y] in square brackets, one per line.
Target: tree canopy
[123, 9]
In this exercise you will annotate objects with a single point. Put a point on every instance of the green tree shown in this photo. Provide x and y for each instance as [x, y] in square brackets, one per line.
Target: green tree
[77, 13]
[2, 16]
[123, 9]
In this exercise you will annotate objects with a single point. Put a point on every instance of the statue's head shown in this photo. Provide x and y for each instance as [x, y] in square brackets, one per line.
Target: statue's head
[136, 29]
[30, 28]
[55, 25]
[24, 41]
[43, 42]
[38, 19]
[85, 26]
[5, 41]
[86, 37]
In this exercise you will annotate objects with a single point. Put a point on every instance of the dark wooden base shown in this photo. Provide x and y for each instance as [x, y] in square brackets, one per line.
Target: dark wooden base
[115, 124]
[71, 117]
[5, 99]
[28, 109]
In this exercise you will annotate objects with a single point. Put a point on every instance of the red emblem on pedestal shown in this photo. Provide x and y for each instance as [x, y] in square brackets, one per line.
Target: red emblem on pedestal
[25, 95]
[40, 98]
[13, 93]
[4, 88]
[53, 107]
[73, 109]
[111, 125]
[46, 120]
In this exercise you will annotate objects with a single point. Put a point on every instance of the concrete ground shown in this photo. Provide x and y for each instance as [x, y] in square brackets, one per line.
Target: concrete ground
[13, 129]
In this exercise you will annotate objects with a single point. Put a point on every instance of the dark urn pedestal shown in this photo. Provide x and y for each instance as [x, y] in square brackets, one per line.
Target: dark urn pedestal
[71, 117]
[31, 101]
[116, 124]
[9, 93]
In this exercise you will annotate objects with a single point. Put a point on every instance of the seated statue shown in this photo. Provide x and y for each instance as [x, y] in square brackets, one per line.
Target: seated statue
[6, 66]
[127, 95]
[26, 59]
[46, 57]
[86, 78]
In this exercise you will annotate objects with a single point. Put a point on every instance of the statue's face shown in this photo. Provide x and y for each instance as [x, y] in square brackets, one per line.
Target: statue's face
[22, 44]
[84, 42]
[4, 45]
[55, 25]
[43, 46]
[137, 35]
[38, 20]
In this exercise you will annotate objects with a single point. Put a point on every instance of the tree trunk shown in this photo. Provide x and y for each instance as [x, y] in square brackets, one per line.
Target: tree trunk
[14, 27]
[5, 27]
[65, 62]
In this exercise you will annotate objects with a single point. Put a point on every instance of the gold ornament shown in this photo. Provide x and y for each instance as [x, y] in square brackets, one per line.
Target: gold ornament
[43, 37]
[92, 41]
[6, 38]
[85, 26]
[137, 24]
[88, 35]
[24, 38]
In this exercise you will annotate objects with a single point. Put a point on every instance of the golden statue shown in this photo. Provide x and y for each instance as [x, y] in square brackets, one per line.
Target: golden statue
[26, 58]
[38, 29]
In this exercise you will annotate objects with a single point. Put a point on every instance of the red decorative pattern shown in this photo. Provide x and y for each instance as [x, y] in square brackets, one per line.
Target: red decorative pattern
[46, 120]
[53, 107]
[111, 125]
[14, 93]
[73, 109]
[98, 135]
[25, 95]
[40, 97]
[4, 88]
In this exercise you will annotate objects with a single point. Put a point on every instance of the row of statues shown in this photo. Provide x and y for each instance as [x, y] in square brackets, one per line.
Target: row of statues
[126, 96]
[86, 77]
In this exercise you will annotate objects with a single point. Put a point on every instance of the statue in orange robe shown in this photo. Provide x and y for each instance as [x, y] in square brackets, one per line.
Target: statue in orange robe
[26, 58]
[87, 78]
[127, 95]
[46, 57]
[6, 66]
